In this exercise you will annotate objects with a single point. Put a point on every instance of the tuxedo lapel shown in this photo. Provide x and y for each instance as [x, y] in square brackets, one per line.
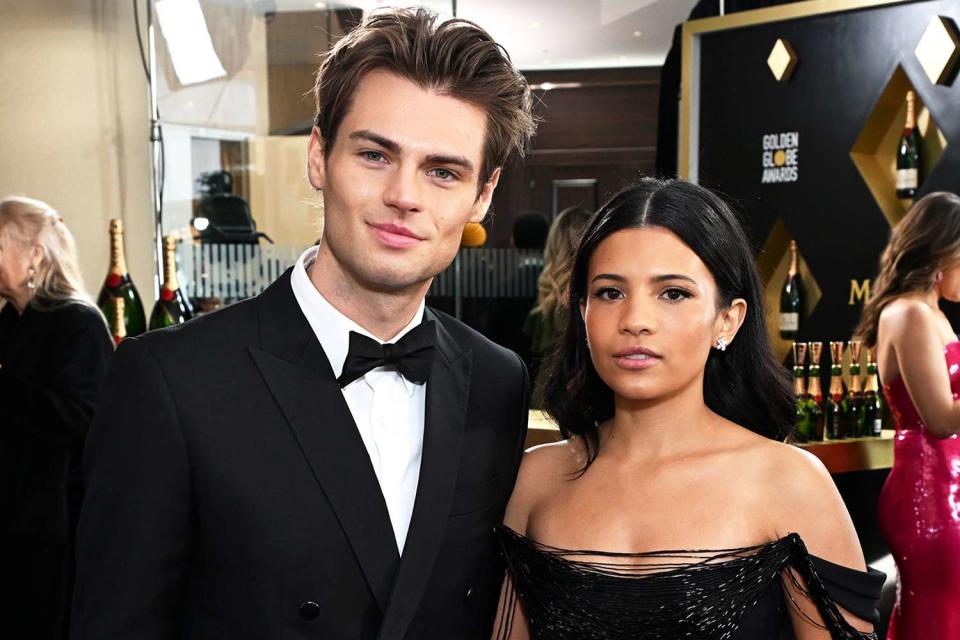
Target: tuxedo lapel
[301, 380]
[446, 413]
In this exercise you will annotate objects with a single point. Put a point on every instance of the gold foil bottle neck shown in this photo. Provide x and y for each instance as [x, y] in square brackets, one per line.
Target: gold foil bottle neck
[170, 280]
[118, 260]
[816, 349]
[855, 350]
[118, 327]
[799, 354]
[911, 111]
[836, 353]
[871, 356]
[793, 258]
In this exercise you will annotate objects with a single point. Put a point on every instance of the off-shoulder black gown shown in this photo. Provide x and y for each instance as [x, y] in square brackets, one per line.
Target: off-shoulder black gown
[725, 594]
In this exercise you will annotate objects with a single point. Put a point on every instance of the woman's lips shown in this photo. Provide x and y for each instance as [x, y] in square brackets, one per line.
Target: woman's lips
[636, 361]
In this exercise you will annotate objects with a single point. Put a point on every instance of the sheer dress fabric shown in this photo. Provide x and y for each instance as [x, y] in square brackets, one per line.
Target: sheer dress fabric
[723, 594]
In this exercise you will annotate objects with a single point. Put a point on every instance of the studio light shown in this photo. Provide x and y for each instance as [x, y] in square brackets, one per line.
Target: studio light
[188, 41]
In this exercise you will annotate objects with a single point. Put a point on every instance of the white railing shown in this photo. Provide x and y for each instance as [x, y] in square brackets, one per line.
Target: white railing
[231, 272]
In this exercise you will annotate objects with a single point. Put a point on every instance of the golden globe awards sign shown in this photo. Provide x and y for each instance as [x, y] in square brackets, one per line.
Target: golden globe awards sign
[780, 157]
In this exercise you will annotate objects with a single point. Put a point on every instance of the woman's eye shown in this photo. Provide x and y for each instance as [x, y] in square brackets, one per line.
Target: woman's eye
[676, 295]
[608, 293]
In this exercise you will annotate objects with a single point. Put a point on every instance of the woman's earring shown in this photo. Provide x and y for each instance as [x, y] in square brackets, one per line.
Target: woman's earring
[939, 277]
[31, 283]
[722, 343]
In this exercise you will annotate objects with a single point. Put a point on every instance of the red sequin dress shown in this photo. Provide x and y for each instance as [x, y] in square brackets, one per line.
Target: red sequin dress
[919, 514]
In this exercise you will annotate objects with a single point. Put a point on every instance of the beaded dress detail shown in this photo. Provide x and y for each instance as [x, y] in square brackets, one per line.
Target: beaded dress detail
[724, 594]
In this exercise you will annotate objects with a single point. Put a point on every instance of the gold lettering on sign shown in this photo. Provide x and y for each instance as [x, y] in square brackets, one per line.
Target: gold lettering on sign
[859, 291]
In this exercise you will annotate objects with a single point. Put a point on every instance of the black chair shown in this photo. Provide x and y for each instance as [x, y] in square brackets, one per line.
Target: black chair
[229, 221]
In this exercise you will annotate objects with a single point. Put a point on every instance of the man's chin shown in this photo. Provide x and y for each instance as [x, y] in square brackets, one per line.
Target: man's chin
[394, 282]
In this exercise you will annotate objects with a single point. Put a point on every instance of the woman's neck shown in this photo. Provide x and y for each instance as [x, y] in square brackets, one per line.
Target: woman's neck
[20, 302]
[666, 427]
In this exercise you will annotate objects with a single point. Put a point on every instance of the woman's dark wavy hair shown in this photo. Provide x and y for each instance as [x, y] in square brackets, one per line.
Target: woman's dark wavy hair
[745, 384]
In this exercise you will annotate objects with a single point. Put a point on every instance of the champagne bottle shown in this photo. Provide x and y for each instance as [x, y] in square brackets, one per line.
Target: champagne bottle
[854, 401]
[118, 328]
[791, 298]
[814, 393]
[833, 405]
[908, 153]
[172, 307]
[118, 284]
[803, 426]
[873, 404]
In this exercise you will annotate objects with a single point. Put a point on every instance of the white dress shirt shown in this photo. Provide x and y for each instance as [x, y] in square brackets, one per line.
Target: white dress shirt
[387, 408]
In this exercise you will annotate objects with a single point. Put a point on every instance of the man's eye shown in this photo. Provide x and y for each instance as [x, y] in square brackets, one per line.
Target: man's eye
[373, 156]
[443, 174]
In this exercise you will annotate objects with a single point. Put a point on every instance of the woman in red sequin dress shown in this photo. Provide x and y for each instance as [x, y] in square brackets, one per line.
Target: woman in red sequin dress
[919, 359]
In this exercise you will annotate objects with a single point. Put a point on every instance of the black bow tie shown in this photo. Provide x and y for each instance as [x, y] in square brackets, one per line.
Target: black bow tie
[411, 355]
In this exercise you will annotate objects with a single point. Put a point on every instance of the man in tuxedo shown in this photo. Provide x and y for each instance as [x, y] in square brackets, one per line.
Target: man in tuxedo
[328, 459]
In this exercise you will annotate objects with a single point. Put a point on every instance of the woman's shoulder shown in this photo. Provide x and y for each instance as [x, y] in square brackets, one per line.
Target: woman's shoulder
[907, 311]
[552, 462]
[797, 494]
[542, 469]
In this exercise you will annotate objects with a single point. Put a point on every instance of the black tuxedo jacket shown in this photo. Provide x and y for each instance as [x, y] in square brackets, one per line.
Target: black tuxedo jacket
[229, 494]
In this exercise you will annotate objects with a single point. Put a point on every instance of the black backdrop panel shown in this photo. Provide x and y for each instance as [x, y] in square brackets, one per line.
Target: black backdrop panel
[845, 62]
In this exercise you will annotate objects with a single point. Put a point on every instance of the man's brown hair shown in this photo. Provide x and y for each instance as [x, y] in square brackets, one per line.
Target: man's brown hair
[456, 58]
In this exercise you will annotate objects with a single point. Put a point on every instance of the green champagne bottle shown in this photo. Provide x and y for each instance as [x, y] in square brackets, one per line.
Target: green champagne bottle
[833, 405]
[815, 394]
[171, 308]
[118, 284]
[873, 405]
[909, 153]
[855, 427]
[803, 428]
[791, 298]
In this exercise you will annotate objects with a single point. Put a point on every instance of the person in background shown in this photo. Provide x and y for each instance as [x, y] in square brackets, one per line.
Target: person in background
[517, 289]
[549, 315]
[54, 352]
[919, 360]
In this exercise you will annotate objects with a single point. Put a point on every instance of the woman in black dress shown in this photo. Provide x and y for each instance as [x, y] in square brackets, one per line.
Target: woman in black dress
[674, 509]
[54, 350]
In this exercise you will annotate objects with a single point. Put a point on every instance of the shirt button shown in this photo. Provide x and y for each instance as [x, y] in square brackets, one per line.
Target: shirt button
[309, 610]
[468, 596]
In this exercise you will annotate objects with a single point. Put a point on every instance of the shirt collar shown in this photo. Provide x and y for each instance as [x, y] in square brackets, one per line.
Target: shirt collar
[332, 327]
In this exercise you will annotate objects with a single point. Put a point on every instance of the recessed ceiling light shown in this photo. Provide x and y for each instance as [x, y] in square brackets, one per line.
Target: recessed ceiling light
[637, 34]
[320, 5]
[623, 58]
[534, 25]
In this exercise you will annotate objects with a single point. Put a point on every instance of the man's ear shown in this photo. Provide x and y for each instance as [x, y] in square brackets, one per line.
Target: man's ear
[482, 205]
[316, 160]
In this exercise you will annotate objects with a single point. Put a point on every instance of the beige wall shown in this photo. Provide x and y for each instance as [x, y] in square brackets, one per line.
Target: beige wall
[74, 124]
[281, 199]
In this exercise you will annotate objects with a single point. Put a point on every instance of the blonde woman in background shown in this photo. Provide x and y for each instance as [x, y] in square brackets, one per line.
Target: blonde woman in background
[549, 315]
[54, 351]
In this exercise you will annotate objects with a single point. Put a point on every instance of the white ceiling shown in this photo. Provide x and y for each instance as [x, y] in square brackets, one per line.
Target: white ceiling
[553, 34]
